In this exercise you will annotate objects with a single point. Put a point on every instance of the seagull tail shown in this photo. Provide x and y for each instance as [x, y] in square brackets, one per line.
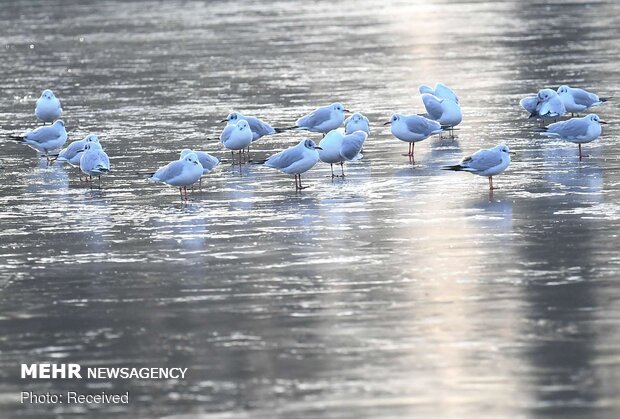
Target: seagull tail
[279, 130]
[456, 167]
[17, 138]
[604, 99]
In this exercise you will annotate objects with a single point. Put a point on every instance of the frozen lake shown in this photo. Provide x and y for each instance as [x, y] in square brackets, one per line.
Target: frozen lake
[400, 291]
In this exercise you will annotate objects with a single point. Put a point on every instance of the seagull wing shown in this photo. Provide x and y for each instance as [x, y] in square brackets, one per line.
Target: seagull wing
[226, 132]
[352, 144]
[260, 127]
[169, 171]
[433, 106]
[583, 97]
[315, 118]
[572, 128]
[421, 125]
[481, 160]
[285, 158]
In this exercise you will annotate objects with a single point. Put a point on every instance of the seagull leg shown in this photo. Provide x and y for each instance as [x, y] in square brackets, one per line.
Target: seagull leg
[185, 189]
[342, 167]
[99, 181]
[491, 187]
[296, 184]
[332, 167]
[579, 152]
[181, 192]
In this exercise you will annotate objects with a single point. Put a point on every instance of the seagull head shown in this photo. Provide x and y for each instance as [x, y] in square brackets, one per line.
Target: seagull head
[356, 117]
[563, 89]
[393, 119]
[232, 118]
[595, 118]
[185, 152]
[91, 138]
[191, 158]
[545, 94]
[311, 145]
[503, 148]
[48, 94]
[242, 125]
[92, 146]
[339, 107]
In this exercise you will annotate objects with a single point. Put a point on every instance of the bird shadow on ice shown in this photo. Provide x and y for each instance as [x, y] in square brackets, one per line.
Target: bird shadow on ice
[46, 178]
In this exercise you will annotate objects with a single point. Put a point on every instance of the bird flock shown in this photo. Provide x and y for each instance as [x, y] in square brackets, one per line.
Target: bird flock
[442, 114]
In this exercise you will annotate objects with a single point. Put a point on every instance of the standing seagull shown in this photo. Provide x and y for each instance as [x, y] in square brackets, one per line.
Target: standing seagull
[576, 130]
[48, 107]
[73, 152]
[441, 91]
[182, 173]
[445, 111]
[488, 162]
[296, 160]
[413, 128]
[356, 122]
[45, 139]
[321, 120]
[338, 148]
[236, 137]
[207, 161]
[94, 161]
[258, 127]
[578, 100]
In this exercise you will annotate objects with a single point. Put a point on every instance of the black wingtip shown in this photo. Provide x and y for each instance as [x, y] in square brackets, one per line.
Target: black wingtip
[455, 167]
[279, 130]
[605, 99]
[533, 115]
[15, 138]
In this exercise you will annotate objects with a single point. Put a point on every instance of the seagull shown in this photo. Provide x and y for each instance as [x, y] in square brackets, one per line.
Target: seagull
[73, 152]
[413, 128]
[94, 161]
[548, 104]
[45, 139]
[445, 111]
[182, 173]
[441, 91]
[578, 100]
[488, 162]
[576, 130]
[296, 160]
[48, 107]
[207, 161]
[336, 148]
[323, 120]
[236, 137]
[258, 127]
[529, 103]
[356, 122]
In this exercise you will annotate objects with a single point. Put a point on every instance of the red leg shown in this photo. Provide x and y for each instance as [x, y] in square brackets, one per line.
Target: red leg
[579, 152]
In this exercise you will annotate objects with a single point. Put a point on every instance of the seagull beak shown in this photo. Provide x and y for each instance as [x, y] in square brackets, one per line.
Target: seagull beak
[346, 110]
[514, 153]
[603, 122]
[224, 120]
[318, 148]
[388, 123]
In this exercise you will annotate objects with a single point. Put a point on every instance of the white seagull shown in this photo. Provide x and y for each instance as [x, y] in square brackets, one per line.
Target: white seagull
[236, 137]
[258, 127]
[323, 119]
[578, 100]
[445, 111]
[182, 173]
[356, 122]
[412, 128]
[94, 161]
[48, 107]
[296, 160]
[73, 152]
[576, 130]
[441, 91]
[488, 162]
[45, 139]
[548, 105]
[207, 161]
[338, 148]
